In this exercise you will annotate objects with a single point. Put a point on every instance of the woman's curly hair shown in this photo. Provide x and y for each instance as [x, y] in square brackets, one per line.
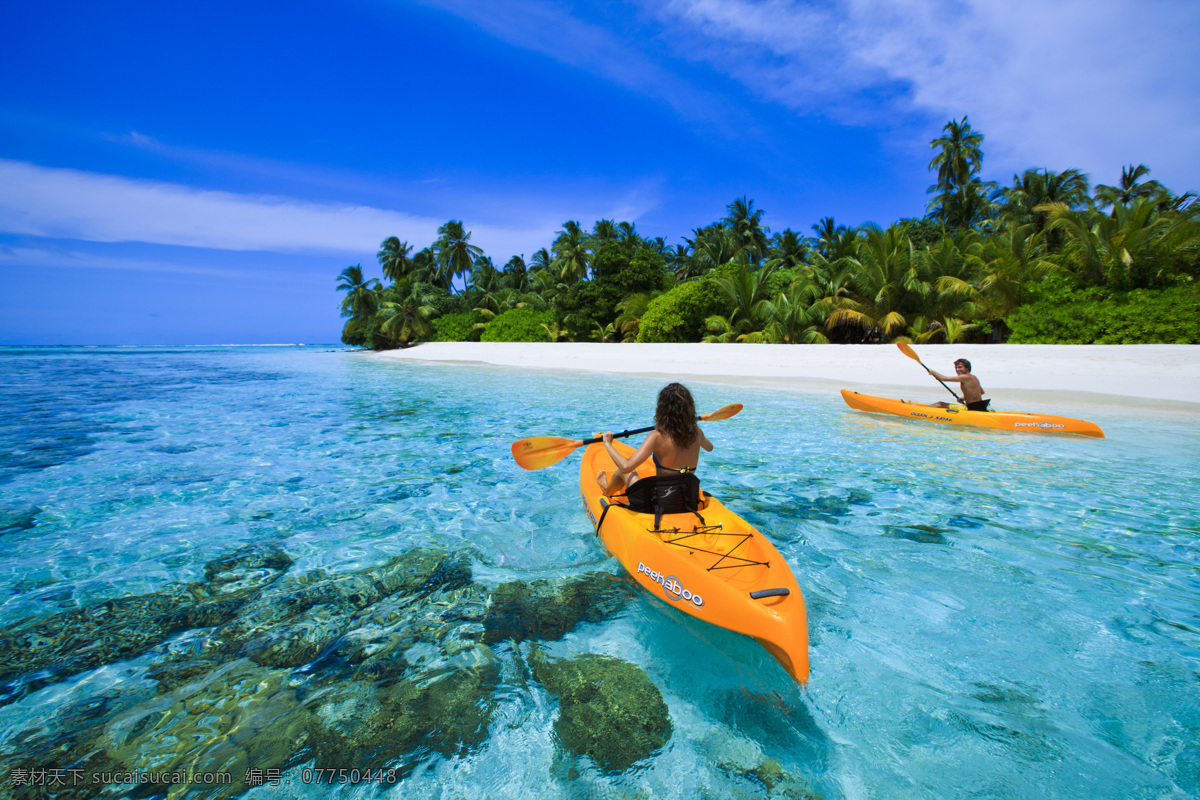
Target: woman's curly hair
[676, 414]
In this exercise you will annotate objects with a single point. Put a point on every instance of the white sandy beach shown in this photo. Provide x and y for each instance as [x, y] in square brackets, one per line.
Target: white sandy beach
[1012, 374]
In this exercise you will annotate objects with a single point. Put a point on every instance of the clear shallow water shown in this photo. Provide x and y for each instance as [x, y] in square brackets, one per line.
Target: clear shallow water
[990, 614]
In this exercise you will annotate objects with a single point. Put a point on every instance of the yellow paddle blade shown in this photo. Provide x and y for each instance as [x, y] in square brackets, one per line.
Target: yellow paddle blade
[538, 452]
[725, 412]
[908, 351]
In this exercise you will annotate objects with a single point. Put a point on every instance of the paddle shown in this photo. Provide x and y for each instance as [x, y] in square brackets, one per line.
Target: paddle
[908, 351]
[538, 452]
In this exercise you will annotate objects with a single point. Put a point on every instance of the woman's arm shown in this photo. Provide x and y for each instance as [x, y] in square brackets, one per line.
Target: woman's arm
[704, 442]
[628, 465]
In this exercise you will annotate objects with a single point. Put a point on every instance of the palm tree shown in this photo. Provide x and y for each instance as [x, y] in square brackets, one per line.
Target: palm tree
[361, 301]
[602, 333]
[966, 207]
[393, 258]
[454, 252]
[628, 235]
[1037, 187]
[834, 241]
[484, 276]
[680, 262]
[883, 266]
[424, 268]
[788, 249]
[746, 223]
[571, 253]
[516, 274]
[959, 155]
[957, 329]
[944, 283]
[405, 312]
[555, 332]
[631, 309]
[603, 232]
[748, 292]
[547, 284]
[1011, 258]
[1130, 188]
[960, 197]
[794, 318]
[542, 260]
[1135, 247]
[712, 247]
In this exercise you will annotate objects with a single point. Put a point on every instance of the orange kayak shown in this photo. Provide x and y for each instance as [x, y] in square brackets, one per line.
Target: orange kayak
[959, 415]
[718, 569]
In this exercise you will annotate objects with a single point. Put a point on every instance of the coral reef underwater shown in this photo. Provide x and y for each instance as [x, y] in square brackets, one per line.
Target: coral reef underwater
[255, 671]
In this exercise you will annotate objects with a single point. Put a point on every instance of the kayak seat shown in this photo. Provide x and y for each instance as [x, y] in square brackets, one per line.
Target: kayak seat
[665, 494]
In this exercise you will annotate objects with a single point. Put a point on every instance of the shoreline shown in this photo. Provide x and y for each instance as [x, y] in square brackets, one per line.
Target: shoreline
[1162, 376]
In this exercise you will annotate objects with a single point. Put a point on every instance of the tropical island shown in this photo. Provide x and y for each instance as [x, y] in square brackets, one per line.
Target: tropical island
[1046, 260]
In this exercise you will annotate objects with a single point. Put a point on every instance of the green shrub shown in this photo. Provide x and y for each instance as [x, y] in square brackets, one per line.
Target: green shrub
[444, 303]
[356, 333]
[679, 315]
[519, 325]
[457, 327]
[1062, 315]
[616, 275]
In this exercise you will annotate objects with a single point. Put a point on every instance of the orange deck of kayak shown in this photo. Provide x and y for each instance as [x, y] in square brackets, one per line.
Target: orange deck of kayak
[959, 415]
[706, 570]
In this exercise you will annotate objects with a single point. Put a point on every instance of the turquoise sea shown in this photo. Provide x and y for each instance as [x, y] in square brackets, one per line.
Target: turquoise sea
[991, 615]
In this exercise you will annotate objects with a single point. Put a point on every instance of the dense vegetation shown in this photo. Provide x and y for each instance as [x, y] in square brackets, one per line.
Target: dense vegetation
[1047, 259]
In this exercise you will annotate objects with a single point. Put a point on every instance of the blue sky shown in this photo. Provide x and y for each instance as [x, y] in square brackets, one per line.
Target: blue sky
[192, 173]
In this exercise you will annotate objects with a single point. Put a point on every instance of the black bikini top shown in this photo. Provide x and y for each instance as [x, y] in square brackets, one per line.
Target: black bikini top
[659, 467]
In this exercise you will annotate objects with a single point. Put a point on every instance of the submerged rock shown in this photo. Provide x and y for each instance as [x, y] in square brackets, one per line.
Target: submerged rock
[744, 758]
[68, 643]
[444, 711]
[922, 534]
[297, 619]
[548, 610]
[242, 716]
[378, 668]
[609, 709]
[251, 566]
[18, 518]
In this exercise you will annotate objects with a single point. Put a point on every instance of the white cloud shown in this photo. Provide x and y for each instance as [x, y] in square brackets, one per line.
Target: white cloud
[59, 258]
[1092, 84]
[65, 203]
[70, 204]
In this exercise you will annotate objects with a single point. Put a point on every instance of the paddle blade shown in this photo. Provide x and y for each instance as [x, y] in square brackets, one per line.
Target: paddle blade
[538, 452]
[908, 351]
[725, 412]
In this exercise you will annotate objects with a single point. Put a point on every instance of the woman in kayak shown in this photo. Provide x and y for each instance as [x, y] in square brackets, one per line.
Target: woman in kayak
[674, 444]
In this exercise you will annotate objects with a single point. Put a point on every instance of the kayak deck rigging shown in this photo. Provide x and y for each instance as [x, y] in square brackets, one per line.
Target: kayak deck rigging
[698, 530]
[715, 530]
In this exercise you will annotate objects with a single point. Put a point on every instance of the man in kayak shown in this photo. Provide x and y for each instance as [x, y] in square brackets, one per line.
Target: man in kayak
[972, 392]
[674, 444]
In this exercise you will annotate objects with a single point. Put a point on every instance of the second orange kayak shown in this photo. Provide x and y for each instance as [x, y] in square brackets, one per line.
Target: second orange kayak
[959, 415]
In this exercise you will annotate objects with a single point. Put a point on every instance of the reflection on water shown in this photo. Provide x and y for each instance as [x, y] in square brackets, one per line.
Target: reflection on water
[294, 559]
